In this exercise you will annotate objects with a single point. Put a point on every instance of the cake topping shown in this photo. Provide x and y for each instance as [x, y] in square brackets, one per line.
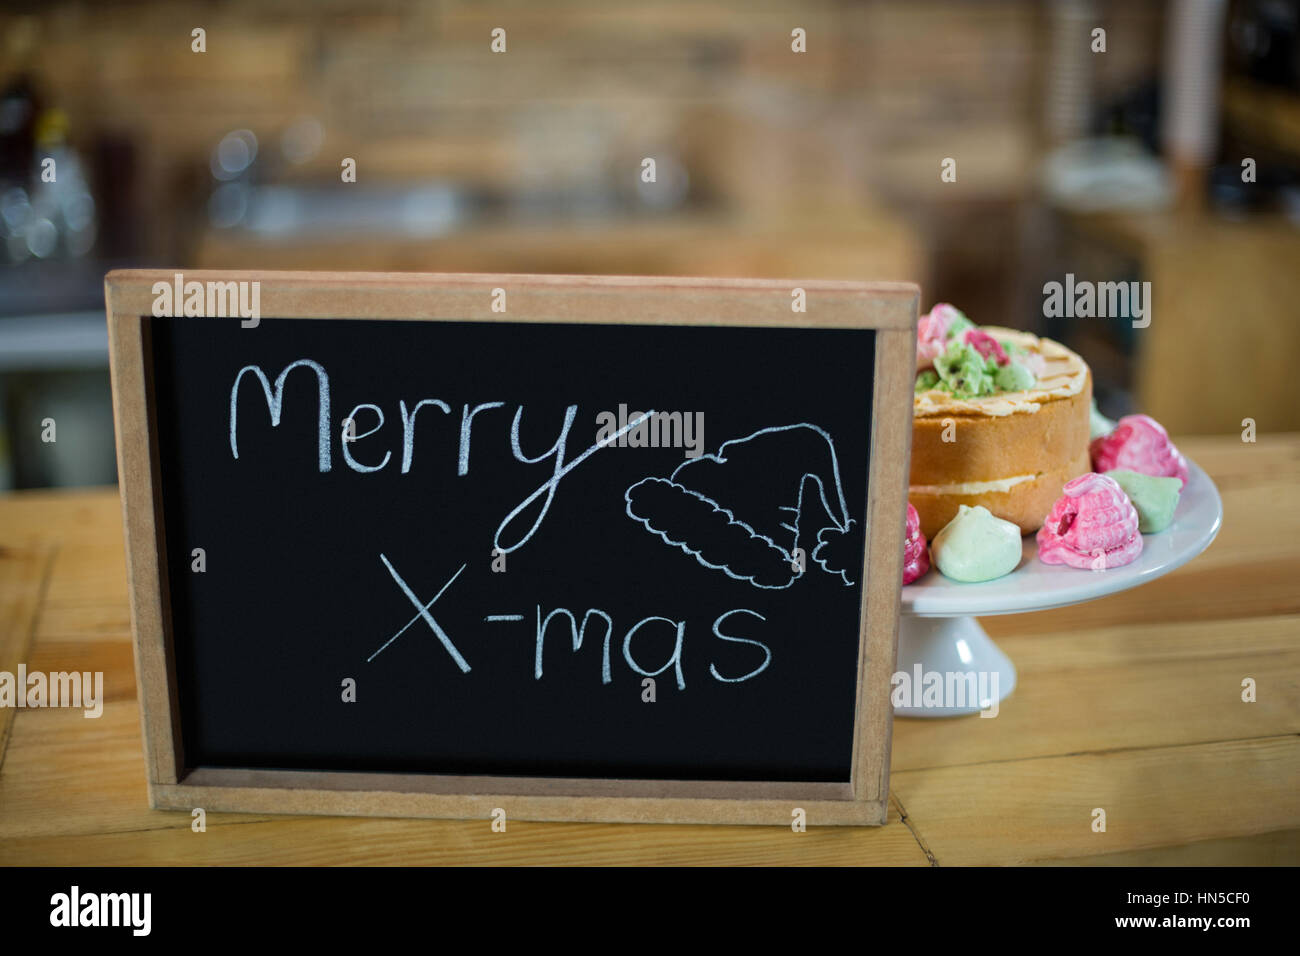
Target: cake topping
[975, 546]
[1154, 498]
[1058, 373]
[1092, 525]
[959, 323]
[1139, 443]
[1035, 361]
[926, 380]
[975, 365]
[916, 559]
[1014, 377]
[933, 331]
[958, 363]
[964, 372]
[986, 345]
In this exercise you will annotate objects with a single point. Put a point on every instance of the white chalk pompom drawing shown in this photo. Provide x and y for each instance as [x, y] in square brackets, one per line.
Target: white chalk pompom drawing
[747, 509]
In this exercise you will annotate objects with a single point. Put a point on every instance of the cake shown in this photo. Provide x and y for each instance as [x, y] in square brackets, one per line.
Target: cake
[1001, 419]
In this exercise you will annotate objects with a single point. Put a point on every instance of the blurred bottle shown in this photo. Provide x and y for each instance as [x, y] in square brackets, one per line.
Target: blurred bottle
[46, 208]
[19, 105]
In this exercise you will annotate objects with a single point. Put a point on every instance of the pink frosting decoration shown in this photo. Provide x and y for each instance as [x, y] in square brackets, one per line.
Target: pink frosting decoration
[1035, 362]
[986, 345]
[932, 333]
[1093, 525]
[1139, 443]
[916, 559]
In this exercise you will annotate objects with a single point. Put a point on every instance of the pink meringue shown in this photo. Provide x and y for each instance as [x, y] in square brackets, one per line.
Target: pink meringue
[1139, 443]
[932, 333]
[916, 559]
[1093, 525]
[1036, 362]
[986, 345]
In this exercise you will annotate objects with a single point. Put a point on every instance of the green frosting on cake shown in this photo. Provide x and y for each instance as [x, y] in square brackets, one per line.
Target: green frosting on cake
[1013, 377]
[959, 324]
[965, 373]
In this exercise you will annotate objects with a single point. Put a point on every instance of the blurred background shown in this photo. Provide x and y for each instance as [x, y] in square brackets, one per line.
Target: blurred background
[1164, 149]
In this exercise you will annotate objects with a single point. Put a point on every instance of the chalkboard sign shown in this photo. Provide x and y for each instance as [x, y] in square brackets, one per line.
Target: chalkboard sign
[553, 547]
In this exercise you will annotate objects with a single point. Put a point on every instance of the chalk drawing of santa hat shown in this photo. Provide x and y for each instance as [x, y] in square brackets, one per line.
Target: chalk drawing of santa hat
[746, 509]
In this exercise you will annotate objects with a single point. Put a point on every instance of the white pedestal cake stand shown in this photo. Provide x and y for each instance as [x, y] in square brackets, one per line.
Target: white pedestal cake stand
[938, 634]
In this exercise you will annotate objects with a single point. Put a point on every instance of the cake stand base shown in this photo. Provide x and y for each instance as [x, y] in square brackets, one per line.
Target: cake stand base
[948, 667]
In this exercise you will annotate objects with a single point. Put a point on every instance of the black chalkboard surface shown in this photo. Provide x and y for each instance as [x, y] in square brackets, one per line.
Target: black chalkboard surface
[557, 547]
[672, 561]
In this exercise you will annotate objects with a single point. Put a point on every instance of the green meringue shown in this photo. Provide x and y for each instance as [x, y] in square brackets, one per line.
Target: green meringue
[959, 324]
[1099, 426]
[1155, 498]
[1013, 377]
[975, 546]
[964, 372]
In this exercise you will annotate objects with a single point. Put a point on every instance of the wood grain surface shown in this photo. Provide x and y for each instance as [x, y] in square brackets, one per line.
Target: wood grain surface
[1131, 703]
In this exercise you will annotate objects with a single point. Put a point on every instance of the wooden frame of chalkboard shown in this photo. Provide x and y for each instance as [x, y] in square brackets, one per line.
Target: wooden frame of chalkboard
[890, 309]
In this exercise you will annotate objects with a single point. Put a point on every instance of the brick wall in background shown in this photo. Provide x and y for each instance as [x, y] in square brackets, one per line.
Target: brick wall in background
[587, 88]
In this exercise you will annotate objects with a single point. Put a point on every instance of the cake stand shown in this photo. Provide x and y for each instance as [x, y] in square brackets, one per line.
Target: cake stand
[938, 633]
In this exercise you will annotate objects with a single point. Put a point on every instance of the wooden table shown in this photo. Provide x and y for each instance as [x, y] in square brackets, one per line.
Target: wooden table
[1131, 703]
